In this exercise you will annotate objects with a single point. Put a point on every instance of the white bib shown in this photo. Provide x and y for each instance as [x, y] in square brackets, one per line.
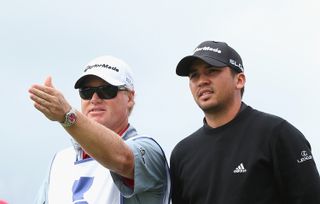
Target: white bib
[84, 182]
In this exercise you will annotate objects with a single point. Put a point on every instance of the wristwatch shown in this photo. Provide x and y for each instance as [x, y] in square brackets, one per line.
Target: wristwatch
[70, 118]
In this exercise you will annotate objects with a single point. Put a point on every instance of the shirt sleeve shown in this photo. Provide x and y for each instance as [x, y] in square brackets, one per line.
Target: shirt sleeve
[149, 168]
[295, 169]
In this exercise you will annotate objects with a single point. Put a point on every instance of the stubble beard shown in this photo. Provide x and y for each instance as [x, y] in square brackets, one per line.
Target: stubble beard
[216, 107]
[211, 109]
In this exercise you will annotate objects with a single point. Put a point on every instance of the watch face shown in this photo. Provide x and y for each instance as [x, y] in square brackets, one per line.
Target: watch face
[72, 117]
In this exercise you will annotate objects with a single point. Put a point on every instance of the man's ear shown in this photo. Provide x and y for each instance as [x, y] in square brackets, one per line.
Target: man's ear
[131, 96]
[241, 80]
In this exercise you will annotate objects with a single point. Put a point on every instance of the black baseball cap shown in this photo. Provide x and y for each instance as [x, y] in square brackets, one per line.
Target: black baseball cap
[217, 54]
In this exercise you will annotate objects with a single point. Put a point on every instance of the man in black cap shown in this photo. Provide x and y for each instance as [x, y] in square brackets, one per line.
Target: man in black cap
[240, 155]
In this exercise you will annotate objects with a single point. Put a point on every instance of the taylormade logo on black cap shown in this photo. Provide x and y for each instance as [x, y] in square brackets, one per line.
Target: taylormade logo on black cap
[216, 54]
[207, 49]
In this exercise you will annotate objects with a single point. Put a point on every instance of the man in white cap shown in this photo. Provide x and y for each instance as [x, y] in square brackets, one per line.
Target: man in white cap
[109, 163]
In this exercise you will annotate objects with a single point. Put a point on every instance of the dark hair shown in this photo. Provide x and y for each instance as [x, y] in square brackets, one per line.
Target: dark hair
[234, 73]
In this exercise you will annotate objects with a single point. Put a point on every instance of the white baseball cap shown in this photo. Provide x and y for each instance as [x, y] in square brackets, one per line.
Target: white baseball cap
[111, 69]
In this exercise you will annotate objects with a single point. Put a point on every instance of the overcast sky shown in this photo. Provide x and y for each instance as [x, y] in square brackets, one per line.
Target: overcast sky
[277, 40]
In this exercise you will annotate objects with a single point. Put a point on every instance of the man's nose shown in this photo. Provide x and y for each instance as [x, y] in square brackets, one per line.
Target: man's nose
[95, 97]
[203, 79]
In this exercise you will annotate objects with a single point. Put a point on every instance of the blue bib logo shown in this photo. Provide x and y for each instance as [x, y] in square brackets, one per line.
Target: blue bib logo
[79, 188]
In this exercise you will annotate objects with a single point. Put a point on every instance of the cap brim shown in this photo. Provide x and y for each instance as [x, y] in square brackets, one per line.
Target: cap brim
[183, 67]
[81, 80]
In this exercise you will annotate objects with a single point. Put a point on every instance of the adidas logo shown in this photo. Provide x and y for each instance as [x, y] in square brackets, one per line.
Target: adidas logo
[240, 169]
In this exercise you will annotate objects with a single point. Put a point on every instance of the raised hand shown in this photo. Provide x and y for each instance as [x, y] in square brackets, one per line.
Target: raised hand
[50, 101]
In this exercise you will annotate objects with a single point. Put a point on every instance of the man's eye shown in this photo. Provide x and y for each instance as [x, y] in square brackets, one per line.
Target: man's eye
[192, 75]
[210, 70]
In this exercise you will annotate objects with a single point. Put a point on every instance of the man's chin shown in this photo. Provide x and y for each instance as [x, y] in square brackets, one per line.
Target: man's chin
[209, 108]
[205, 105]
[96, 118]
